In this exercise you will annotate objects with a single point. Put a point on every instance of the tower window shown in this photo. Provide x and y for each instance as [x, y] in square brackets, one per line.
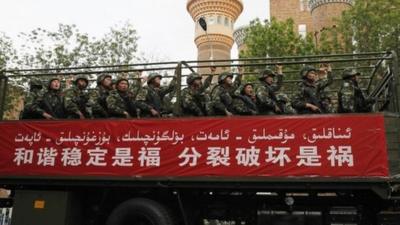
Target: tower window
[303, 30]
[226, 22]
[219, 20]
[301, 5]
[304, 5]
[211, 20]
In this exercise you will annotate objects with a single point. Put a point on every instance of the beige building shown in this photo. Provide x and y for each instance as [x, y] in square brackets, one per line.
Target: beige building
[324, 12]
[221, 16]
[298, 10]
[309, 15]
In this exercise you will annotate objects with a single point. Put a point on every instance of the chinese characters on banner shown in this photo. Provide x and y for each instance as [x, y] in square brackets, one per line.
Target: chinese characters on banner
[349, 146]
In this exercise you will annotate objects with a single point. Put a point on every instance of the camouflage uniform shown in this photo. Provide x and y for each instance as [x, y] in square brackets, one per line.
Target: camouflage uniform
[136, 86]
[283, 102]
[51, 102]
[151, 97]
[222, 97]
[350, 96]
[77, 100]
[98, 98]
[310, 92]
[35, 92]
[119, 102]
[326, 101]
[193, 101]
[266, 93]
[244, 104]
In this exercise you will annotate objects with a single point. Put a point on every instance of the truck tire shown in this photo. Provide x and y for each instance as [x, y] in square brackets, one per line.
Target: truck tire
[140, 211]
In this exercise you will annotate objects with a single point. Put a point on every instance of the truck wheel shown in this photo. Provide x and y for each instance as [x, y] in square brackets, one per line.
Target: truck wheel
[140, 211]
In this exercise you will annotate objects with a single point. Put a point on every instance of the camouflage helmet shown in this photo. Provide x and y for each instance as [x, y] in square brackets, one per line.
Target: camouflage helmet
[34, 82]
[223, 76]
[282, 98]
[266, 73]
[306, 70]
[153, 76]
[51, 80]
[348, 72]
[81, 77]
[121, 78]
[102, 77]
[192, 77]
[244, 86]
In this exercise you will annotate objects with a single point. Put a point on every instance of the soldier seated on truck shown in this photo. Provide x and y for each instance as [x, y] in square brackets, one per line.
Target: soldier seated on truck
[245, 102]
[99, 96]
[351, 98]
[76, 100]
[308, 98]
[222, 94]
[150, 98]
[120, 102]
[267, 89]
[51, 104]
[194, 100]
[35, 91]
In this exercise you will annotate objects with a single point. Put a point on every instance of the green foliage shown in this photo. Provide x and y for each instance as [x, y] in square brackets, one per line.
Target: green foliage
[65, 47]
[68, 46]
[370, 25]
[275, 38]
[12, 104]
[373, 25]
[7, 51]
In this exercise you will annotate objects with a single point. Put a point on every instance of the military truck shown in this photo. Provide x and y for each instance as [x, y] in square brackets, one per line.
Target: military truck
[292, 169]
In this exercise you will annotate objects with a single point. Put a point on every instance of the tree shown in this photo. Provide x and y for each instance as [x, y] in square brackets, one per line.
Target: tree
[275, 38]
[65, 47]
[7, 50]
[372, 25]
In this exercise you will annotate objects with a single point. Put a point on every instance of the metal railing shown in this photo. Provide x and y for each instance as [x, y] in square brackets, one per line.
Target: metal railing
[380, 70]
[5, 216]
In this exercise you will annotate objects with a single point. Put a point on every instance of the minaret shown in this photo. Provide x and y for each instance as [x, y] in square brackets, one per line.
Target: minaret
[240, 35]
[220, 16]
[324, 12]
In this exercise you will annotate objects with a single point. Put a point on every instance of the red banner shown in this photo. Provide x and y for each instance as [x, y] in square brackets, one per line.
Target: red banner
[325, 146]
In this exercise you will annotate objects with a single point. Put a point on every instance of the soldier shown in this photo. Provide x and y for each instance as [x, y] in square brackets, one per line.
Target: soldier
[120, 102]
[325, 93]
[245, 102]
[283, 102]
[222, 94]
[150, 98]
[308, 99]
[351, 97]
[35, 91]
[51, 104]
[99, 96]
[136, 85]
[266, 92]
[194, 100]
[76, 100]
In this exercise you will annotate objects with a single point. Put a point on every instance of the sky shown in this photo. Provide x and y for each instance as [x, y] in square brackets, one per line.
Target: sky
[165, 28]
